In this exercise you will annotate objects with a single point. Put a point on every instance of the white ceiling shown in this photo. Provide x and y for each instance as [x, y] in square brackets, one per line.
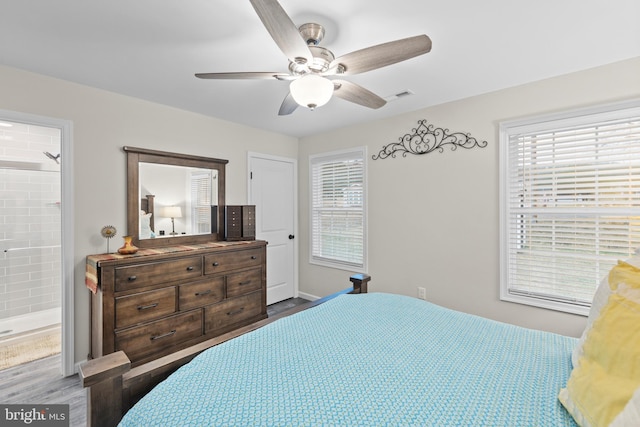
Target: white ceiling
[150, 49]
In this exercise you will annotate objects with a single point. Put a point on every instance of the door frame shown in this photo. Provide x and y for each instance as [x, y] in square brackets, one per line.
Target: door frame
[294, 162]
[67, 351]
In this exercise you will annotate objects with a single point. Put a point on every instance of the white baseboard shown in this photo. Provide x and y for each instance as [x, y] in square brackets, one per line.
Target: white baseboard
[307, 296]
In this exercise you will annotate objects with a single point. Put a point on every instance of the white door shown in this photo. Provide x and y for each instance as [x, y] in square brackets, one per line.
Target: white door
[272, 184]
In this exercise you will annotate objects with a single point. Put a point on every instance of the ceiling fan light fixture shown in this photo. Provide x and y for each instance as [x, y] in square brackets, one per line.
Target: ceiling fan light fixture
[311, 91]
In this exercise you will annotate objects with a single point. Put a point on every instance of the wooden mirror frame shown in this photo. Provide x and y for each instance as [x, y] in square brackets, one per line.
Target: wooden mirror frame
[135, 156]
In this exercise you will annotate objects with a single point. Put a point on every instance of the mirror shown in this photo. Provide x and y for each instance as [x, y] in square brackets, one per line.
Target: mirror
[173, 198]
[182, 200]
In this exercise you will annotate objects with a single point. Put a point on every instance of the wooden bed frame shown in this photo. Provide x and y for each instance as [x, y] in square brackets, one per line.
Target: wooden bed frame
[147, 204]
[114, 387]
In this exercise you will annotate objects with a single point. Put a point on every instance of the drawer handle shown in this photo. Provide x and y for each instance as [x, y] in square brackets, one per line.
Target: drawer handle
[231, 313]
[254, 257]
[132, 278]
[145, 307]
[244, 283]
[215, 264]
[190, 268]
[200, 294]
[168, 334]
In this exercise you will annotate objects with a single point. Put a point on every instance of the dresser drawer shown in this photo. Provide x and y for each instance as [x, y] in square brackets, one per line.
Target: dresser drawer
[225, 261]
[244, 282]
[201, 293]
[153, 338]
[232, 311]
[137, 276]
[145, 306]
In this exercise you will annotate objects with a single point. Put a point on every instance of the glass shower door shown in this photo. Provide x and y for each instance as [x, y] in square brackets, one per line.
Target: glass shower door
[30, 243]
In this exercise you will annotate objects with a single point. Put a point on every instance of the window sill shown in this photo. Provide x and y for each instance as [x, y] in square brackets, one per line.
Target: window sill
[546, 304]
[340, 266]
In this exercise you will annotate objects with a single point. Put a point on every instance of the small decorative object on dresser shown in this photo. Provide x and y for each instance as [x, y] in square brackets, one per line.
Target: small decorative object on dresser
[165, 299]
[108, 231]
[240, 222]
[127, 248]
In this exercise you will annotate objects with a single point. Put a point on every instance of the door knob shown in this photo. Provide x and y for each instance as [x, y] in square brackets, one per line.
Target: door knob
[291, 237]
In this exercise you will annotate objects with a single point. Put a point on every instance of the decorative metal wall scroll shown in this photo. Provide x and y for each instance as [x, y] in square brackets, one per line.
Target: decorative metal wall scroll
[424, 139]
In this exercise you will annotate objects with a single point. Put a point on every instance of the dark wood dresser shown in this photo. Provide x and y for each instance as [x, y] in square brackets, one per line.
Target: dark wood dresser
[158, 301]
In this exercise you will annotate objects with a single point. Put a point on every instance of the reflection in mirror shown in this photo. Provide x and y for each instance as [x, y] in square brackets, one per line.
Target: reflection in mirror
[173, 198]
[182, 202]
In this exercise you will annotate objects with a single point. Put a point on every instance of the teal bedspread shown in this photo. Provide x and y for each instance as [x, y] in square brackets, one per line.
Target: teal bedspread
[370, 360]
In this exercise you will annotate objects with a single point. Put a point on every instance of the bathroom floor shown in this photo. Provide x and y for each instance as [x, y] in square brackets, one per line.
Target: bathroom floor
[29, 337]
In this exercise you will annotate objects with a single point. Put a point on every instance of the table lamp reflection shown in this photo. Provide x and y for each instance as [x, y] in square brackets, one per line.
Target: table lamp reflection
[172, 212]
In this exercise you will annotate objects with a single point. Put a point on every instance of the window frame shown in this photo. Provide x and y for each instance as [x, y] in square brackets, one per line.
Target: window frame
[327, 157]
[544, 123]
[196, 180]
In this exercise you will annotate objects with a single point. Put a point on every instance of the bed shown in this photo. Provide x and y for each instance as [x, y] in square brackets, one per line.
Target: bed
[147, 219]
[365, 359]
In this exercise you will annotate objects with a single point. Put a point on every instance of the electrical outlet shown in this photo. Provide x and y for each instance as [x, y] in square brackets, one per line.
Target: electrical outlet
[422, 293]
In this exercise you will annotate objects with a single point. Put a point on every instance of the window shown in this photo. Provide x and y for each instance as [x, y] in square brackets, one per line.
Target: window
[201, 185]
[338, 209]
[570, 203]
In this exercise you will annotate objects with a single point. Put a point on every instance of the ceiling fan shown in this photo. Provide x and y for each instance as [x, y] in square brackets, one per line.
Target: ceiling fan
[310, 64]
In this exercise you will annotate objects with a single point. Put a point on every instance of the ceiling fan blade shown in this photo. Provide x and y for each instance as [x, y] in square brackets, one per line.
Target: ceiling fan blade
[355, 93]
[250, 75]
[382, 55]
[283, 31]
[288, 105]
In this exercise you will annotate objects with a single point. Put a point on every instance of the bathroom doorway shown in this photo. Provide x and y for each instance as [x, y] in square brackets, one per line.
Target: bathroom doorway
[32, 295]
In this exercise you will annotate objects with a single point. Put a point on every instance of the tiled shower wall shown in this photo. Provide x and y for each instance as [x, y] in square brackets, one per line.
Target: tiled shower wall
[30, 223]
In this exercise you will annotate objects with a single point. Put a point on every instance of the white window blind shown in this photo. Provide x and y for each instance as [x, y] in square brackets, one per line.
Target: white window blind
[201, 185]
[338, 209]
[571, 205]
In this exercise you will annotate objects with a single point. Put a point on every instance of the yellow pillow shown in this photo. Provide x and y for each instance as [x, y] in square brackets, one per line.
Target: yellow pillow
[608, 373]
[627, 271]
[624, 272]
[630, 415]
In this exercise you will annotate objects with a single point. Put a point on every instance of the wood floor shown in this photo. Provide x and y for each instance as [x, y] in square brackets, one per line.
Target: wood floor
[40, 382]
